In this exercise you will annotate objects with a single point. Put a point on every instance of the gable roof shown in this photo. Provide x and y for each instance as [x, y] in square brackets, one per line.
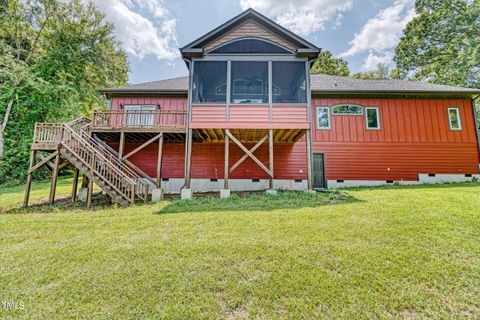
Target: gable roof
[195, 47]
[320, 84]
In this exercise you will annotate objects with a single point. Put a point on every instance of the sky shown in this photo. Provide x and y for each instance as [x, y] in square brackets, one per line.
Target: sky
[363, 32]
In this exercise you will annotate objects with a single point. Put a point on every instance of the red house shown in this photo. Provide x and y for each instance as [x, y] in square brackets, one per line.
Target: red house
[250, 116]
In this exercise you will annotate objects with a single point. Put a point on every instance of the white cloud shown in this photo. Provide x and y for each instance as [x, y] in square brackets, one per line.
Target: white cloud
[372, 61]
[301, 16]
[383, 31]
[140, 35]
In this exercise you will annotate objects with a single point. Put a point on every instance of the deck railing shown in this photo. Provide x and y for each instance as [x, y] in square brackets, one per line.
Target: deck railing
[47, 133]
[145, 119]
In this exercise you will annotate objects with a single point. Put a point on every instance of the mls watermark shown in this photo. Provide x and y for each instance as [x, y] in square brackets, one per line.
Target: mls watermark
[12, 305]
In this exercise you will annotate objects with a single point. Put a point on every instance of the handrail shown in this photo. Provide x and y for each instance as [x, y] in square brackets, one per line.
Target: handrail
[139, 119]
[133, 167]
[98, 163]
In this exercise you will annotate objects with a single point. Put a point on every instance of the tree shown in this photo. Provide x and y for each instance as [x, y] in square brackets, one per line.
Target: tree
[382, 72]
[328, 64]
[53, 56]
[442, 43]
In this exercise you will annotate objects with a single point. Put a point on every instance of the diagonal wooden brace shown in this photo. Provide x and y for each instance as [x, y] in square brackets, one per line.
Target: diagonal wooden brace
[245, 156]
[250, 154]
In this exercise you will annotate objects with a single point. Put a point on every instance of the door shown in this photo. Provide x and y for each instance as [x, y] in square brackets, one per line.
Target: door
[318, 171]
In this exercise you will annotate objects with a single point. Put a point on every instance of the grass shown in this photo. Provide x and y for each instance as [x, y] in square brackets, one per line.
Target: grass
[388, 253]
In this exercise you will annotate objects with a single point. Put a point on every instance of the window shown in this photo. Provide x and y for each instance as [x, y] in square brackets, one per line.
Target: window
[140, 115]
[454, 118]
[289, 82]
[209, 79]
[323, 118]
[249, 82]
[372, 118]
[347, 109]
[250, 46]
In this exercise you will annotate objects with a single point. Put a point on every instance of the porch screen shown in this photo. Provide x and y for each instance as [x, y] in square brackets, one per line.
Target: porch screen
[249, 82]
[289, 82]
[209, 82]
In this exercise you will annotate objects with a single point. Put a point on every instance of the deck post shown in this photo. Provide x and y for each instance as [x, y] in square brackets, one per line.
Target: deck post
[121, 146]
[188, 159]
[76, 173]
[29, 179]
[309, 159]
[225, 175]
[53, 185]
[270, 156]
[89, 193]
[159, 162]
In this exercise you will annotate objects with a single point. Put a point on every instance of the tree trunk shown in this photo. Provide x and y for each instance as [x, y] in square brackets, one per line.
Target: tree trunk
[3, 126]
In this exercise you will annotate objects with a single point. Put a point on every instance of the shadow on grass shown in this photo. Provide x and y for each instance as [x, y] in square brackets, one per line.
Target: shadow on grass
[421, 186]
[259, 202]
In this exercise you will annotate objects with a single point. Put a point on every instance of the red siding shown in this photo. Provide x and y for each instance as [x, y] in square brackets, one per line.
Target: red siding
[207, 161]
[249, 117]
[414, 138]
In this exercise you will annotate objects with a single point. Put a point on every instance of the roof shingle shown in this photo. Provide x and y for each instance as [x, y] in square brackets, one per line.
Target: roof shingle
[320, 83]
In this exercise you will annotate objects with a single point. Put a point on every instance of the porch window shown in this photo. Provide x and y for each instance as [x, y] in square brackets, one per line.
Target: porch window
[249, 83]
[454, 118]
[372, 118]
[140, 115]
[289, 82]
[209, 82]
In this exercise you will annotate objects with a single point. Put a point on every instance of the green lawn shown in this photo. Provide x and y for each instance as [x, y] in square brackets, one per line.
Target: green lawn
[397, 252]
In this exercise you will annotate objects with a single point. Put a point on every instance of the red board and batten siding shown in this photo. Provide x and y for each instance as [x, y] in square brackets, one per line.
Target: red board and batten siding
[208, 161]
[414, 138]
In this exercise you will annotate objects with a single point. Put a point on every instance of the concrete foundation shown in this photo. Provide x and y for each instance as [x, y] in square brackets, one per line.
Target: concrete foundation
[82, 195]
[271, 192]
[157, 194]
[186, 194]
[224, 193]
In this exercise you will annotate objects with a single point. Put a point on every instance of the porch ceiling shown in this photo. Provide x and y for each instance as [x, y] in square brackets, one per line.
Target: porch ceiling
[247, 135]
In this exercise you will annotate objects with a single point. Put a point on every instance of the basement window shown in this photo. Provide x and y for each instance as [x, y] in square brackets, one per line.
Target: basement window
[255, 180]
[389, 181]
[213, 180]
[298, 180]
[468, 175]
[454, 118]
[340, 181]
[431, 174]
[165, 179]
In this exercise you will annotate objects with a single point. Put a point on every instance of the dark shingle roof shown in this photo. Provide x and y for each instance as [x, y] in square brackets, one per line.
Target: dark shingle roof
[321, 83]
[326, 83]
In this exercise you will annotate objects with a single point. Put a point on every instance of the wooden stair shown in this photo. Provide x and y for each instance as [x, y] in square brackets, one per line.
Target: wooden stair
[100, 164]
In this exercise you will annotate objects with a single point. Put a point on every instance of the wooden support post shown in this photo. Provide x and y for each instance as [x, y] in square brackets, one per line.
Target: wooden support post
[188, 159]
[29, 179]
[309, 159]
[141, 147]
[76, 173]
[53, 185]
[225, 175]
[121, 146]
[89, 193]
[270, 156]
[159, 162]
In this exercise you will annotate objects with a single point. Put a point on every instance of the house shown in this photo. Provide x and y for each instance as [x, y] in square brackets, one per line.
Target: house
[250, 116]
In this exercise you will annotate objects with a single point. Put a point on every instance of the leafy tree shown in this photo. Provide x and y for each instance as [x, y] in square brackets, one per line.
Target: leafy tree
[382, 72]
[53, 56]
[326, 63]
[442, 43]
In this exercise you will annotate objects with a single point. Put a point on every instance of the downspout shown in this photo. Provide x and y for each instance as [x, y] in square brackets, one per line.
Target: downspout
[475, 115]
[189, 105]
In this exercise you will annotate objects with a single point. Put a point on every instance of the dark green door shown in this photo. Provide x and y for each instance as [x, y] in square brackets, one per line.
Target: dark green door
[318, 171]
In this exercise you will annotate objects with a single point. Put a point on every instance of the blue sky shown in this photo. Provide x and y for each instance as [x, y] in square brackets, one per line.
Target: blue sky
[364, 32]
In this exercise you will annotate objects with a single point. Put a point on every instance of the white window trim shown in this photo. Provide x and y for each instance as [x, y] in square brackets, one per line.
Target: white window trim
[329, 118]
[378, 118]
[348, 114]
[457, 109]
